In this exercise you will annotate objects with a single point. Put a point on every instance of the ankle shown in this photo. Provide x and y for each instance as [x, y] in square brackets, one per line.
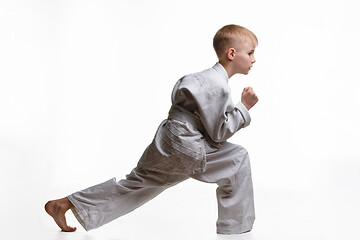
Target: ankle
[65, 203]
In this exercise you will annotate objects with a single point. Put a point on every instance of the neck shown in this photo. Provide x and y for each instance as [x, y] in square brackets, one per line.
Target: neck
[228, 68]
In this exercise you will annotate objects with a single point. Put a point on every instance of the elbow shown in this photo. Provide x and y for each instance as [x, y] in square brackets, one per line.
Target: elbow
[222, 136]
[218, 139]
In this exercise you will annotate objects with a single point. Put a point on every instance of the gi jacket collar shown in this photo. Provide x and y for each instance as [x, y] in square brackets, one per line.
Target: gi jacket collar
[221, 70]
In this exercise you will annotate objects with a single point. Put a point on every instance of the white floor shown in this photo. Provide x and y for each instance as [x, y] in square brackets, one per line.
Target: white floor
[188, 211]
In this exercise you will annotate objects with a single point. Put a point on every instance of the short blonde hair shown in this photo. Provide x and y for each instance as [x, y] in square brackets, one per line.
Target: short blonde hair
[231, 35]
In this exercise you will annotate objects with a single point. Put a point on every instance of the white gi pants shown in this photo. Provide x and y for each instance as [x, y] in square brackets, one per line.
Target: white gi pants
[229, 167]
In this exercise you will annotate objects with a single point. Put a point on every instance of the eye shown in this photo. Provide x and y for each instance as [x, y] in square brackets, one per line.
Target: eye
[251, 53]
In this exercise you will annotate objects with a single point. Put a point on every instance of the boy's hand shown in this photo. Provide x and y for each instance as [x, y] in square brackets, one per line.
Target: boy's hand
[249, 98]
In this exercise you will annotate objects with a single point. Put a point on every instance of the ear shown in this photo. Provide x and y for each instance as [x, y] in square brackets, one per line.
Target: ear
[231, 53]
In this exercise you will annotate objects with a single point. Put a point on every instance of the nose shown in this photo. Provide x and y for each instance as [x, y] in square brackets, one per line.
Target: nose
[253, 61]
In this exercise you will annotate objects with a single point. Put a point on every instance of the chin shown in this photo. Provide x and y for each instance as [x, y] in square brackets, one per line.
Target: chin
[246, 71]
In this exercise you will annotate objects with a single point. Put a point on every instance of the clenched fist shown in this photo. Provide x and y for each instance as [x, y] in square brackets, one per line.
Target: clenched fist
[249, 98]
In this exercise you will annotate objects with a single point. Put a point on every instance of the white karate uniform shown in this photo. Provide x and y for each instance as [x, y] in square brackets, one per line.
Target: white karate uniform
[190, 143]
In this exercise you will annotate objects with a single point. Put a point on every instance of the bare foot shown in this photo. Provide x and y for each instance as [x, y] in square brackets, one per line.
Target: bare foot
[57, 210]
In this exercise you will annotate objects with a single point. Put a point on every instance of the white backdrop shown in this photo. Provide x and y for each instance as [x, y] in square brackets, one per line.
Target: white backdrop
[84, 85]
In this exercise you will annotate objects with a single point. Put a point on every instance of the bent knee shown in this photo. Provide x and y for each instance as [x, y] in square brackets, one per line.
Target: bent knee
[239, 154]
[242, 160]
[235, 147]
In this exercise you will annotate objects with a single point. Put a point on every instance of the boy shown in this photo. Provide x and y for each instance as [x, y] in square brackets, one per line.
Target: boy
[190, 143]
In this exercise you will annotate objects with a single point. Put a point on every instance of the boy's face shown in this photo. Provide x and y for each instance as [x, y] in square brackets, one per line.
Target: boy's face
[244, 57]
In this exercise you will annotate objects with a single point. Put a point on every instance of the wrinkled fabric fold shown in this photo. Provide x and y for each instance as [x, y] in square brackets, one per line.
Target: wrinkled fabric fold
[177, 148]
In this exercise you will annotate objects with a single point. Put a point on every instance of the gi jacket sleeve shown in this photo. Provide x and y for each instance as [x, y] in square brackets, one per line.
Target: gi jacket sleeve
[212, 102]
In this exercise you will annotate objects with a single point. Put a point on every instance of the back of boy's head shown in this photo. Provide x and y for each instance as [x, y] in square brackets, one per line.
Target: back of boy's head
[232, 36]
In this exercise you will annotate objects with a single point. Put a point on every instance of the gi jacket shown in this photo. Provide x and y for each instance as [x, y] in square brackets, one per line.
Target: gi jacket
[202, 116]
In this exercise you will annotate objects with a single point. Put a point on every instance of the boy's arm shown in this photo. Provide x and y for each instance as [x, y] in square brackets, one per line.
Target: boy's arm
[223, 124]
[222, 119]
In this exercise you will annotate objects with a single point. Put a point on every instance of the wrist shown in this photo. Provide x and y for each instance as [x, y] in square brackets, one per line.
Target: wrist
[246, 106]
